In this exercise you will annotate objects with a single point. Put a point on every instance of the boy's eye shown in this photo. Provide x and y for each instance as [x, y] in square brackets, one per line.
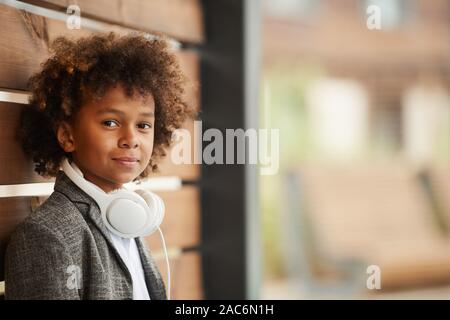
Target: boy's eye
[110, 123]
[145, 125]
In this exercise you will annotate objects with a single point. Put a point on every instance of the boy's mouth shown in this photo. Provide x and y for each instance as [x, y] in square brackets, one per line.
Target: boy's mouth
[126, 161]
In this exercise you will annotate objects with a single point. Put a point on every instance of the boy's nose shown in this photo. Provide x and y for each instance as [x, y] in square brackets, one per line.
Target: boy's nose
[128, 139]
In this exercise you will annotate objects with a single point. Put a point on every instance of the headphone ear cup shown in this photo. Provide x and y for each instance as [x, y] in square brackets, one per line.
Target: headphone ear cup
[157, 208]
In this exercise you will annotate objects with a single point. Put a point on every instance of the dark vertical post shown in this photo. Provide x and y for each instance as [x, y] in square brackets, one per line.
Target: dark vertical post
[223, 186]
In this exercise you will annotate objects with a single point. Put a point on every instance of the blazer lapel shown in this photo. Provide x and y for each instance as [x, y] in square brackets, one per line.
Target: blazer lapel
[64, 185]
[153, 279]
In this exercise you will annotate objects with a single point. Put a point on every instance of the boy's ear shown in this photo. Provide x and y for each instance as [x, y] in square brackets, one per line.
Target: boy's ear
[65, 136]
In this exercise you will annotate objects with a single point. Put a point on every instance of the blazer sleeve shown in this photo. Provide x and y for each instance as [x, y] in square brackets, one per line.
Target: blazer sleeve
[38, 266]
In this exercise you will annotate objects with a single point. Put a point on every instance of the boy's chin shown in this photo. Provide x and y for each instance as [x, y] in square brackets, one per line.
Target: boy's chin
[126, 179]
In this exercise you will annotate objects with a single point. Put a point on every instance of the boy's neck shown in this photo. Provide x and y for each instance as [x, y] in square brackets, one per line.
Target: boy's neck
[106, 189]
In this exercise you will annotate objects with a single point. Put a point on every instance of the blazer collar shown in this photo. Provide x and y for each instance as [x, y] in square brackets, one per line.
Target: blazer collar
[64, 185]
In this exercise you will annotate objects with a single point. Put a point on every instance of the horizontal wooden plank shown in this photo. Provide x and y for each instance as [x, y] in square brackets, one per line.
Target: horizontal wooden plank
[186, 275]
[180, 19]
[181, 225]
[190, 65]
[21, 52]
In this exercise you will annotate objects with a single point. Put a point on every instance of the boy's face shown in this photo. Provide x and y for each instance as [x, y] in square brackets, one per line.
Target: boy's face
[111, 140]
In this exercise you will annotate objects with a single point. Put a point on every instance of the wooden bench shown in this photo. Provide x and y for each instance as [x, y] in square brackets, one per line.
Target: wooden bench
[376, 214]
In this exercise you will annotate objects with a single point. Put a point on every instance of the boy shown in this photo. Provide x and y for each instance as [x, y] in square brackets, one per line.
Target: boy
[108, 105]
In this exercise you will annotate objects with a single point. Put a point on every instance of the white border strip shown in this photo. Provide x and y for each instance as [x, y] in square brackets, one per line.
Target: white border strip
[26, 190]
[46, 188]
[157, 184]
[14, 96]
[84, 22]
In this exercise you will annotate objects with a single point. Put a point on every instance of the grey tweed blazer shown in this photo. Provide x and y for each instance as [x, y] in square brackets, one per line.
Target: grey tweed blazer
[63, 250]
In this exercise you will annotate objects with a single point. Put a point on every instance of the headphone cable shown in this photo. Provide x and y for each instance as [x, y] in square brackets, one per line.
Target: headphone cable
[167, 262]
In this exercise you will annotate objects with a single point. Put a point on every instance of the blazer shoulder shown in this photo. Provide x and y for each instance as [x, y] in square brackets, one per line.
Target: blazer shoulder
[36, 262]
[58, 214]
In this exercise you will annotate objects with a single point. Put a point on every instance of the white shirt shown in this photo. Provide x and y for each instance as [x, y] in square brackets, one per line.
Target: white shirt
[129, 253]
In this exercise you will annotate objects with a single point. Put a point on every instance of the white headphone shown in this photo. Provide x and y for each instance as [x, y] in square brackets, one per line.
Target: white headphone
[144, 209]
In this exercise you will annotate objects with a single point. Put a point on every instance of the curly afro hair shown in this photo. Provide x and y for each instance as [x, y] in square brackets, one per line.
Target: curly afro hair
[89, 67]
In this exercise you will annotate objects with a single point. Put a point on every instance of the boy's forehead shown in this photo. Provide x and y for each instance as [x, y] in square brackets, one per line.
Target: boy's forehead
[117, 97]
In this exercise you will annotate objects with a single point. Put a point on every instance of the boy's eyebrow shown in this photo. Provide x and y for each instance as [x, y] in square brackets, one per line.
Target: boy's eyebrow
[119, 112]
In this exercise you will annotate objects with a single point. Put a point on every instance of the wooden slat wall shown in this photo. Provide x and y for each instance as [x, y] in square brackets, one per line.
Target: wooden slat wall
[181, 224]
[186, 277]
[24, 45]
[181, 19]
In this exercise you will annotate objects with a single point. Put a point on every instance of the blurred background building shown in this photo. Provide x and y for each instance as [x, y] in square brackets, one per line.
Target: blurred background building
[360, 93]
[360, 90]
